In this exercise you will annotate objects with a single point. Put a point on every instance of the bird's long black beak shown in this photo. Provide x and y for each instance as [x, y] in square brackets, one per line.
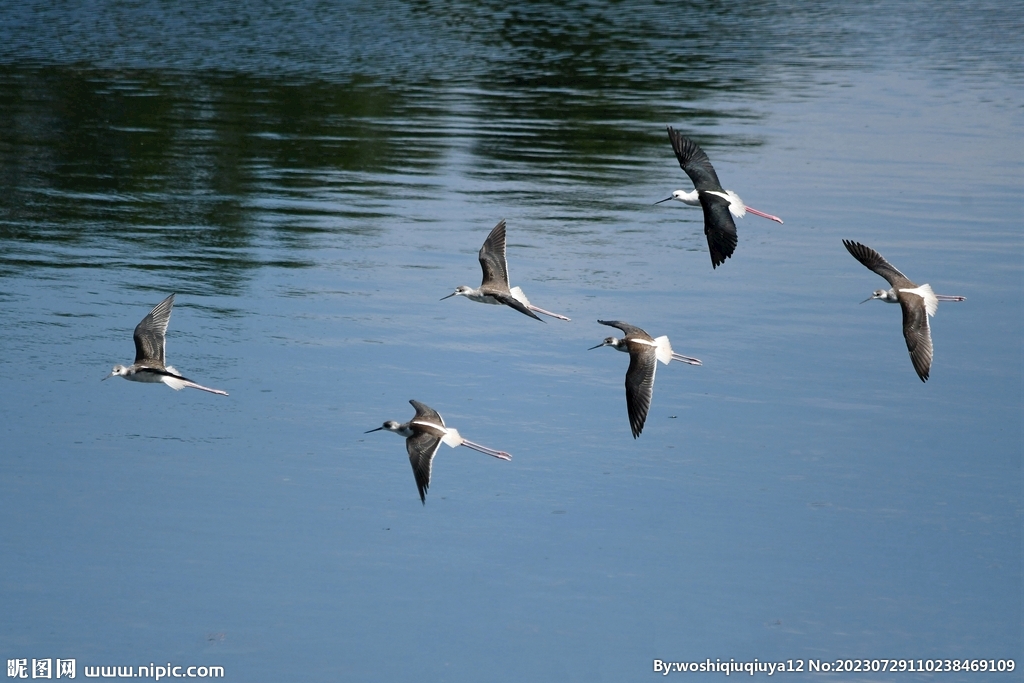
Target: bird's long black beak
[597, 347]
[374, 430]
[448, 297]
[867, 300]
[663, 200]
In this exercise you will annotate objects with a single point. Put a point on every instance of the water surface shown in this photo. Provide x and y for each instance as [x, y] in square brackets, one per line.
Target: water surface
[311, 181]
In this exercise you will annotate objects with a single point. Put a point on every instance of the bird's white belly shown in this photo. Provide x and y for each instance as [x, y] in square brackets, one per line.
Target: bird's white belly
[663, 349]
[147, 377]
[452, 437]
[520, 296]
[736, 206]
[483, 299]
[931, 302]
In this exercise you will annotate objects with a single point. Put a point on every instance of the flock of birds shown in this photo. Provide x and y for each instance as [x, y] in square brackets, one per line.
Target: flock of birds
[426, 431]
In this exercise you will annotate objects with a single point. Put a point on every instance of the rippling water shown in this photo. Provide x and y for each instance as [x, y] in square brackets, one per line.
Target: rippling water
[311, 181]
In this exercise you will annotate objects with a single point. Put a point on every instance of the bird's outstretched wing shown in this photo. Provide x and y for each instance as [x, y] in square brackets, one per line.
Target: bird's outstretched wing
[626, 327]
[492, 257]
[426, 413]
[694, 161]
[872, 260]
[422, 446]
[917, 333]
[640, 387]
[151, 334]
[515, 303]
[719, 228]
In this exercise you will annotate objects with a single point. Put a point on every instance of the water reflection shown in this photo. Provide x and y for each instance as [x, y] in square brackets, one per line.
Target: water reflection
[145, 167]
[150, 160]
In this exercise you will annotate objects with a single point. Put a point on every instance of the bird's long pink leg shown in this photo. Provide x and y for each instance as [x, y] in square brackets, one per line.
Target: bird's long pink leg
[686, 359]
[484, 449]
[202, 388]
[541, 310]
[950, 297]
[762, 214]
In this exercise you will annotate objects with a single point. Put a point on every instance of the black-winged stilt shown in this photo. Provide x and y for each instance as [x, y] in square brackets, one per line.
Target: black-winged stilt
[150, 343]
[494, 287]
[424, 434]
[708, 194]
[917, 303]
[644, 353]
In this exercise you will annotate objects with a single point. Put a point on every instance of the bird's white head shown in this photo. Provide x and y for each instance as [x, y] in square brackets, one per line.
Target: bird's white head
[461, 290]
[688, 198]
[392, 426]
[118, 371]
[612, 342]
[886, 295]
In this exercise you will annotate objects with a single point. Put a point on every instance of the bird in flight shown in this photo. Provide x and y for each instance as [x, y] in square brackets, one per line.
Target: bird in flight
[719, 205]
[424, 434]
[644, 354]
[917, 303]
[494, 288]
[150, 343]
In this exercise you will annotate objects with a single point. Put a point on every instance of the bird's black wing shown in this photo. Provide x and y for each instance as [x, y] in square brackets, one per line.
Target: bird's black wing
[492, 257]
[694, 161]
[719, 227]
[627, 328]
[917, 333]
[150, 334]
[426, 413]
[510, 300]
[422, 446]
[640, 386]
[874, 261]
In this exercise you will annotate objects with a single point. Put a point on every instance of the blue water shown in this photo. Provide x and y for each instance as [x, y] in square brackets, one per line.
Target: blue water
[311, 181]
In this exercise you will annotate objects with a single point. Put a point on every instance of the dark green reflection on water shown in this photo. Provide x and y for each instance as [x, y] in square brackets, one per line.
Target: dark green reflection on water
[177, 166]
[150, 169]
[223, 139]
[226, 138]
